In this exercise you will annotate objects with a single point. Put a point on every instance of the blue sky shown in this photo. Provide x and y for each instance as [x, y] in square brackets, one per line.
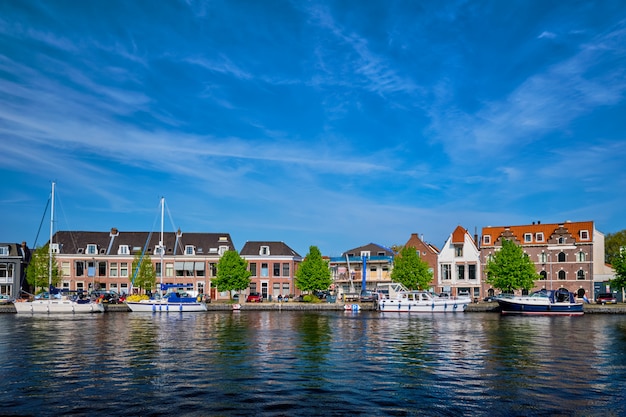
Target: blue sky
[333, 124]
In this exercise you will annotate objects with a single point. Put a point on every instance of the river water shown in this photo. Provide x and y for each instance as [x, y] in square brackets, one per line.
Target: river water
[270, 363]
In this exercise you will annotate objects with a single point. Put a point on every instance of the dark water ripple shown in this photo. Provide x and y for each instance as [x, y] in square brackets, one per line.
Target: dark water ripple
[312, 363]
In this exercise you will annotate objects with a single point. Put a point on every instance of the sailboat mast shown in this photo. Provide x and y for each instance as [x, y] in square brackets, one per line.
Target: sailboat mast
[162, 248]
[50, 242]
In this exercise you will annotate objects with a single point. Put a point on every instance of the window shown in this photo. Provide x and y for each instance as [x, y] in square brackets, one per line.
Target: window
[222, 249]
[276, 269]
[285, 288]
[561, 257]
[253, 269]
[445, 271]
[487, 240]
[4, 251]
[539, 237]
[158, 268]
[265, 250]
[458, 251]
[460, 271]
[158, 250]
[561, 275]
[92, 249]
[124, 269]
[561, 241]
[113, 270]
[65, 269]
[471, 271]
[543, 257]
[55, 248]
[199, 267]
[543, 275]
[286, 269]
[528, 237]
[189, 250]
[365, 253]
[584, 235]
[264, 270]
[169, 270]
[580, 274]
[80, 268]
[102, 269]
[580, 256]
[123, 250]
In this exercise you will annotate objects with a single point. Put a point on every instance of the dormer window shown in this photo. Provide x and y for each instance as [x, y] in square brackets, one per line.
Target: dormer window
[190, 250]
[458, 250]
[222, 250]
[123, 250]
[55, 248]
[4, 251]
[539, 237]
[92, 249]
[584, 235]
[159, 250]
[265, 251]
[365, 253]
[487, 240]
[528, 237]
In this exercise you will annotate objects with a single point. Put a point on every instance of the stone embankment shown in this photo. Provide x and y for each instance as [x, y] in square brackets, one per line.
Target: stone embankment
[294, 306]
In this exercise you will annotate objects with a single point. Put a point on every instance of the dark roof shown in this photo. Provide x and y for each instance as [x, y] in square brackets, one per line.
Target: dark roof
[373, 248]
[109, 242]
[276, 249]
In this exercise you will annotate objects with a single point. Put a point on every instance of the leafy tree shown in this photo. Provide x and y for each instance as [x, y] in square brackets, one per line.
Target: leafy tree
[613, 244]
[511, 269]
[143, 277]
[619, 265]
[313, 273]
[39, 267]
[410, 270]
[232, 272]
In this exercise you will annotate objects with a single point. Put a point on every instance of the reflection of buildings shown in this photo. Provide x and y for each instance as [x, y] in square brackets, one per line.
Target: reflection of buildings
[567, 255]
[272, 266]
[14, 259]
[347, 269]
[459, 265]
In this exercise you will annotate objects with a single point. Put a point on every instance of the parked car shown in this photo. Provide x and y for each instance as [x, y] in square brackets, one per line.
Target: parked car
[606, 298]
[367, 296]
[254, 297]
[5, 299]
[490, 299]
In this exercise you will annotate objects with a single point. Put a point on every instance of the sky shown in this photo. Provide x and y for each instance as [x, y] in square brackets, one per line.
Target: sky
[327, 123]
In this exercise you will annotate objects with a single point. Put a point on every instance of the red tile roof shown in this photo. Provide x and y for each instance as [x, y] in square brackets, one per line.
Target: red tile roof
[548, 229]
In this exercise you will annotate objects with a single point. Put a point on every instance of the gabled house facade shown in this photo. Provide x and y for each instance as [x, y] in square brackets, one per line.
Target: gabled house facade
[272, 266]
[103, 260]
[459, 265]
[566, 255]
[372, 261]
[14, 259]
[428, 253]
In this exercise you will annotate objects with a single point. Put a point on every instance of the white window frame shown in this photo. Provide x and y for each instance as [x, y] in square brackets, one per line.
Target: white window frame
[487, 240]
[539, 237]
[92, 249]
[264, 251]
[528, 237]
[123, 250]
[190, 250]
[4, 251]
[584, 235]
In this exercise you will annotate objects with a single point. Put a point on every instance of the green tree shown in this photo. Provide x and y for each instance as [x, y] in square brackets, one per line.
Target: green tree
[511, 269]
[313, 273]
[619, 265]
[410, 270]
[143, 277]
[613, 244]
[232, 273]
[38, 269]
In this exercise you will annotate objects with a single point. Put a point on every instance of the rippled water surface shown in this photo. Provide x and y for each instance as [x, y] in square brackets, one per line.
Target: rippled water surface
[312, 363]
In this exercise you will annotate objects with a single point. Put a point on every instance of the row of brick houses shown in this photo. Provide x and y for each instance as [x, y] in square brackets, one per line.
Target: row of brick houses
[568, 255]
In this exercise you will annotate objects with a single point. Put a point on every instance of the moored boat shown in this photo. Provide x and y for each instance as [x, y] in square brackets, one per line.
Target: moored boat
[543, 302]
[175, 299]
[406, 301]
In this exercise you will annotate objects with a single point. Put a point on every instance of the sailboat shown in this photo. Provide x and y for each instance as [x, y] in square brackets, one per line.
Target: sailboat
[64, 303]
[170, 297]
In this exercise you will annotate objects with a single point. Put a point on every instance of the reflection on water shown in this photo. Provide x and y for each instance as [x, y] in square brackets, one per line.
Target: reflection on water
[312, 363]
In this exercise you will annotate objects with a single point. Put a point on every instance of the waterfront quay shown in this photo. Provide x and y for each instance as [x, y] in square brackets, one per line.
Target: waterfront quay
[296, 306]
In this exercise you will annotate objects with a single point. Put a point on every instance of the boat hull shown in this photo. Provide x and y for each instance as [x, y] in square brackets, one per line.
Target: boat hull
[402, 306]
[57, 306]
[527, 307]
[152, 306]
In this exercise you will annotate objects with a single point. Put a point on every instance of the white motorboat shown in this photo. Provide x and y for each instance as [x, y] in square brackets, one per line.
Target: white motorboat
[421, 302]
[175, 299]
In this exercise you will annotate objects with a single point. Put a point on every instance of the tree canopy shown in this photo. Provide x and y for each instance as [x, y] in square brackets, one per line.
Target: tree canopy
[232, 273]
[39, 267]
[613, 244]
[313, 273]
[619, 265]
[511, 269]
[143, 277]
[410, 270]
